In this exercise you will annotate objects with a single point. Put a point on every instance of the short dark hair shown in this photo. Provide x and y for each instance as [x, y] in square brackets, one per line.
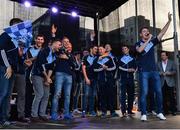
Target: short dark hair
[92, 46]
[55, 40]
[164, 52]
[101, 46]
[65, 37]
[125, 46]
[144, 27]
[15, 21]
[40, 35]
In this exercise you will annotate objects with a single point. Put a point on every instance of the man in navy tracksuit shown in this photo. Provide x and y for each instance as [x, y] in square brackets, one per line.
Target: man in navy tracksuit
[31, 56]
[89, 88]
[41, 79]
[8, 60]
[104, 66]
[127, 67]
[77, 82]
[19, 83]
[109, 52]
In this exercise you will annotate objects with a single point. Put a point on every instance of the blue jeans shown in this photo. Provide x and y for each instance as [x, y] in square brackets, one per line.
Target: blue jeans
[144, 77]
[5, 93]
[62, 81]
[89, 93]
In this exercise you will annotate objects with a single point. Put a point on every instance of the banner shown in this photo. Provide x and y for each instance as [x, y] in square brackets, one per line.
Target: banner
[21, 34]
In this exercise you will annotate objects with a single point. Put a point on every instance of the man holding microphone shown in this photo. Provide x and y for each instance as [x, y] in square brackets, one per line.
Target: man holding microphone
[147, 68]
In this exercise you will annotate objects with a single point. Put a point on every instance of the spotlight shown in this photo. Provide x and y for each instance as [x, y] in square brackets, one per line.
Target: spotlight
[27, 4]
[74, 14]
[54, 9]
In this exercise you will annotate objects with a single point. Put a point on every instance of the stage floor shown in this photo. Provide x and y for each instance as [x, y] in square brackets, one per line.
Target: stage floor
[172, 122]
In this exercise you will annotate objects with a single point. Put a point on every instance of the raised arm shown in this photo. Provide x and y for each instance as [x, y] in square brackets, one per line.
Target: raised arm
[164, 29]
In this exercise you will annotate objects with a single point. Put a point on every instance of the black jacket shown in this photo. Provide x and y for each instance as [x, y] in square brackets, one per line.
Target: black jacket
[11, 51]
[45, 61]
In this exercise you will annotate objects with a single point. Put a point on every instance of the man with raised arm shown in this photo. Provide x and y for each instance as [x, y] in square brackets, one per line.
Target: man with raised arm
[147, 68]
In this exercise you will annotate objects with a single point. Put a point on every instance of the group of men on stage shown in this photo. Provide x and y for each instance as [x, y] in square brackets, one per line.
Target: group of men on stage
[41, 68]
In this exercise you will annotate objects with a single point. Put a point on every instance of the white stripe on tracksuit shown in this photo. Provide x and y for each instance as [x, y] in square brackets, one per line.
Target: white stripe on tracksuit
[4, 57]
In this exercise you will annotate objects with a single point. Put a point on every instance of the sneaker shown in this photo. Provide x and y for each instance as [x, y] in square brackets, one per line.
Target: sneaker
[67, 117]
[161, 116]
[43, 118]
[24, 120]
[131, 113]
[35, 119]
[71, 114]
[114, 114]
[103, 115]
[76, 111]
[93, 113]
[124, 114]
[83, 115]
[6, 123]
[54, 117]
[143, 118]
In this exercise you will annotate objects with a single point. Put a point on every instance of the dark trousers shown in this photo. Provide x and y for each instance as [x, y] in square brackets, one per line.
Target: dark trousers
[107, 95]
[169, 102]
[19, 84]
[29, 95]
[76, 95]
[72, 92]
[127, 88]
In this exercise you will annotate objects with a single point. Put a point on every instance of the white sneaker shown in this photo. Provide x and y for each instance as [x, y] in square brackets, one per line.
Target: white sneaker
[161, 116]
[76, 111]
[143, 118]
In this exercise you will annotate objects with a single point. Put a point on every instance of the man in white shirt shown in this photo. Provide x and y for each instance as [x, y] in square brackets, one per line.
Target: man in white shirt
[167, 72]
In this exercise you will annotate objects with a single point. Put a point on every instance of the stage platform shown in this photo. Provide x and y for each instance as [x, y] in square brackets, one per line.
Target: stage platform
[129, 122]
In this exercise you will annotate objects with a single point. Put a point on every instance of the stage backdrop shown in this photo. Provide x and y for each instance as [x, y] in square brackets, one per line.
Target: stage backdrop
[67, 26]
